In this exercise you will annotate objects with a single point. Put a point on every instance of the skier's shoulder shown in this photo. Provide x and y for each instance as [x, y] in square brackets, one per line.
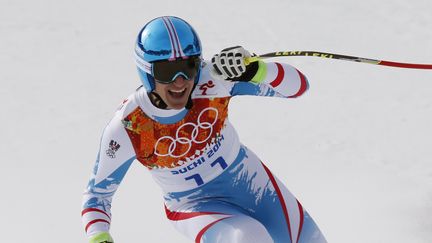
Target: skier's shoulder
[127, 105]
[125, 108]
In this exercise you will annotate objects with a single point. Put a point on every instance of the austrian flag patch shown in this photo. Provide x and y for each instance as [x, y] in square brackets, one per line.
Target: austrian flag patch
[113, 147]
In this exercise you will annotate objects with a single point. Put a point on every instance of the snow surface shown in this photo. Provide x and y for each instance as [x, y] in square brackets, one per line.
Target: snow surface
[355, 150]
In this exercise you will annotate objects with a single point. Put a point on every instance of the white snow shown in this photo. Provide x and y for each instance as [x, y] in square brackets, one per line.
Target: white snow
[355, 150]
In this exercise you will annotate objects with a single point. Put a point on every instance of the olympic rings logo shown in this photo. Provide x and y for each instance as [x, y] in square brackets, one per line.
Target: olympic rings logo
[179, 140]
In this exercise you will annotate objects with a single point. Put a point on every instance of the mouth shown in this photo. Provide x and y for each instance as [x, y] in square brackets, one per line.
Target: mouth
[179, 93]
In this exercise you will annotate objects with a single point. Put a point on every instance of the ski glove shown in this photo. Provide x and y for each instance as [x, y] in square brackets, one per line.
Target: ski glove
[103, 237]
[229, 64]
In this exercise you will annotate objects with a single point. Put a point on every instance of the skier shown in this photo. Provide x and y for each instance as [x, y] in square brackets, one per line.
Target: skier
[176, 124]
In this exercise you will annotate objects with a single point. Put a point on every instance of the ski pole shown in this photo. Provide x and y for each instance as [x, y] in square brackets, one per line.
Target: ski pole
[338, 57]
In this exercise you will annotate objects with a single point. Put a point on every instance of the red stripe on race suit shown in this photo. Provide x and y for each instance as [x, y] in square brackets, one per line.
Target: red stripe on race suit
[281, 199]
[301, 219]
[95, 221]
[175, 216]
[201, 233]
[87, 210]
[279, 77]
[303, 85]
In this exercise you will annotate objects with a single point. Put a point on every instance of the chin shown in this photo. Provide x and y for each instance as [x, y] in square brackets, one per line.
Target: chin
[177, 106]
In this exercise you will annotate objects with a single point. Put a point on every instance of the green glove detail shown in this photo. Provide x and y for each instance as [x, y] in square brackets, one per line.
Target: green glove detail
[260, 74]
[103, 237]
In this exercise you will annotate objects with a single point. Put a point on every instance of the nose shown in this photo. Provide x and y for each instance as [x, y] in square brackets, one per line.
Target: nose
[179, 80]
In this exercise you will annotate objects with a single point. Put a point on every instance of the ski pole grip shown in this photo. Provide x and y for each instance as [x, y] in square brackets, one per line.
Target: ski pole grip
[249, 60]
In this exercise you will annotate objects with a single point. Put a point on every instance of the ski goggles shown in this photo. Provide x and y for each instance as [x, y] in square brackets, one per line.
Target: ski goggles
[167, 71]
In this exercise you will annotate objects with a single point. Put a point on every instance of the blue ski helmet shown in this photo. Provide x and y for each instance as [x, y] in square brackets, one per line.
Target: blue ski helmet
[164, 38]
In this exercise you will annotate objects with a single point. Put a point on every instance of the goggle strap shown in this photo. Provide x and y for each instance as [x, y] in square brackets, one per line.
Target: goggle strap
[142, 64]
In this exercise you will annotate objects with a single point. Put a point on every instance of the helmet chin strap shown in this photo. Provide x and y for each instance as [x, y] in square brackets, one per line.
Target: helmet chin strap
[189, 103]
[156, 100]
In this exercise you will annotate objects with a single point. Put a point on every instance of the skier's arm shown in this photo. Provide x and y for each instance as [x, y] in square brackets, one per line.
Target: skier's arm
[257, 78]
[113, 160]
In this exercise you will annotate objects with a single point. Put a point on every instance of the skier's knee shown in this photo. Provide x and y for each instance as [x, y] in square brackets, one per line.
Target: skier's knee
[237, 229]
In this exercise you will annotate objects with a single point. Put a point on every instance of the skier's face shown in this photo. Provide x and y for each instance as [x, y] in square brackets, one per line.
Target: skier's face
[175, 94]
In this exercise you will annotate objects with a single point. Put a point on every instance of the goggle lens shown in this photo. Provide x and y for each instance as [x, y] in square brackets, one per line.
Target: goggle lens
[167, 71]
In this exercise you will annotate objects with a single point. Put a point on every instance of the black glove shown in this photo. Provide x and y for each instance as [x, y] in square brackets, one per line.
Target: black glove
[229, 64]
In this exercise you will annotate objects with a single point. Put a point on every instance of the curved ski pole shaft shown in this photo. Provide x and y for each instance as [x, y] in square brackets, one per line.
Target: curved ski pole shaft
[338, 57]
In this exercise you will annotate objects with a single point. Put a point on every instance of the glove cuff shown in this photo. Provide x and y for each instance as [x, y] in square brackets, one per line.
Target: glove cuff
[103, 237]
[250, 72]
[255, 73]
[261, 73]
